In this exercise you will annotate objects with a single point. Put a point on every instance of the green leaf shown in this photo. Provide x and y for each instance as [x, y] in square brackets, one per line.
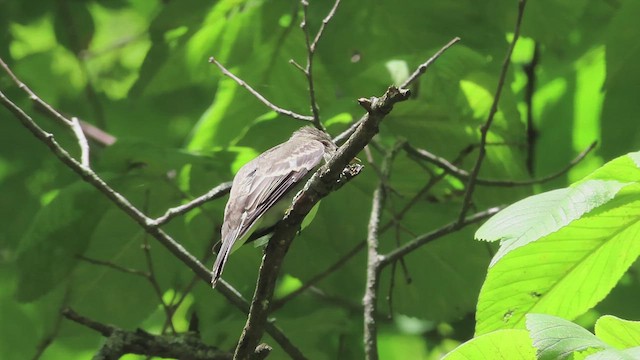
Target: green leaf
[570, 235]
[540, 215]
[496, 345]
[611, 354]
[617, 332]
[566, 272]
[74, 26]
[556, 338]
[60, 231]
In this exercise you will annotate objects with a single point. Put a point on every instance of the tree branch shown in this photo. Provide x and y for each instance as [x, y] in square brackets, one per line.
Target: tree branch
[342, 137]
[82, 141]
[370, 300]
[259, 96]
[451, 169]
[215, 193]
[425, 65]
[320, 185]
[111, 265]
[344, 259]
[311, 49]
[436, 234]
[276, 305]
[484, 129]
[88, 175]
[120, 342]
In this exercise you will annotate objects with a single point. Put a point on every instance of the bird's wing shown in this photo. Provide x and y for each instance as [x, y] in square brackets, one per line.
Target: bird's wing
[258, 186]
[261, 183]
[272, 181]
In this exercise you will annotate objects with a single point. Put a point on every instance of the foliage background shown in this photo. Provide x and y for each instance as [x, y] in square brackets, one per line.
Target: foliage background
[138, 69]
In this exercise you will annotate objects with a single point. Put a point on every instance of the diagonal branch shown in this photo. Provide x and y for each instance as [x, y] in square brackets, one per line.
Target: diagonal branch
[344, 259]
[342, 137]
[259, 96]
[425, 65]
[317, 278]
[436, 234]
[215, 193]
[320, 185]
[451, 169]
[74, 124]
[88, 175]
[484, 129]
[325, 21]
[40, 104]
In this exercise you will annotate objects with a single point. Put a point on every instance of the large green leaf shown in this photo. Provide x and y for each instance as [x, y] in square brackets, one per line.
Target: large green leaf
[619, 333]
[496, 345]
[537, 216]
[567, 264]
[556, 338]
[60, 231]
[540, 215]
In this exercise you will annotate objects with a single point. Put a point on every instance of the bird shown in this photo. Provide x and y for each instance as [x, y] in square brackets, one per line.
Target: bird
[263, 189]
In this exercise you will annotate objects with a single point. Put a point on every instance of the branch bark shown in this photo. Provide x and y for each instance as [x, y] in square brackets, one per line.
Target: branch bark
[370, 300]
[88, 175]
[464, 175]
[320, 185]
[120, 342]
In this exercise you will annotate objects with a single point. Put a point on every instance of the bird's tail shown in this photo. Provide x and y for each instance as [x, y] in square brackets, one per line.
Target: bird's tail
[221, 259]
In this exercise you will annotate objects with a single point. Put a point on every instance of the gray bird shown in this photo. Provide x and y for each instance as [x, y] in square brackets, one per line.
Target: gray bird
[263, 188]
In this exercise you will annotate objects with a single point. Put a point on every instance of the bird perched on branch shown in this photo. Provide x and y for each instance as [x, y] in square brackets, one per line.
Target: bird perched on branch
[263, 189]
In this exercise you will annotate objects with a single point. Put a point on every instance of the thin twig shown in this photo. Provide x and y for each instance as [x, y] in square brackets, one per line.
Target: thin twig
[424, 66]
[484, 129]
[464, 175]
[344, 259]
[317, 278]
[74, 124]
[311, 49]
[231, 294]
[342, 137]
[48, 109]
[215, 193]
[186, 290]
[325, 21]
[259, 96]
[82, 141]
[436, 234]
[151, 273]
[308, 70]
[113, 266]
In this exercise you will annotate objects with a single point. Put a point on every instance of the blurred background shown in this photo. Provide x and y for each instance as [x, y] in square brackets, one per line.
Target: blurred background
[139, 71]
